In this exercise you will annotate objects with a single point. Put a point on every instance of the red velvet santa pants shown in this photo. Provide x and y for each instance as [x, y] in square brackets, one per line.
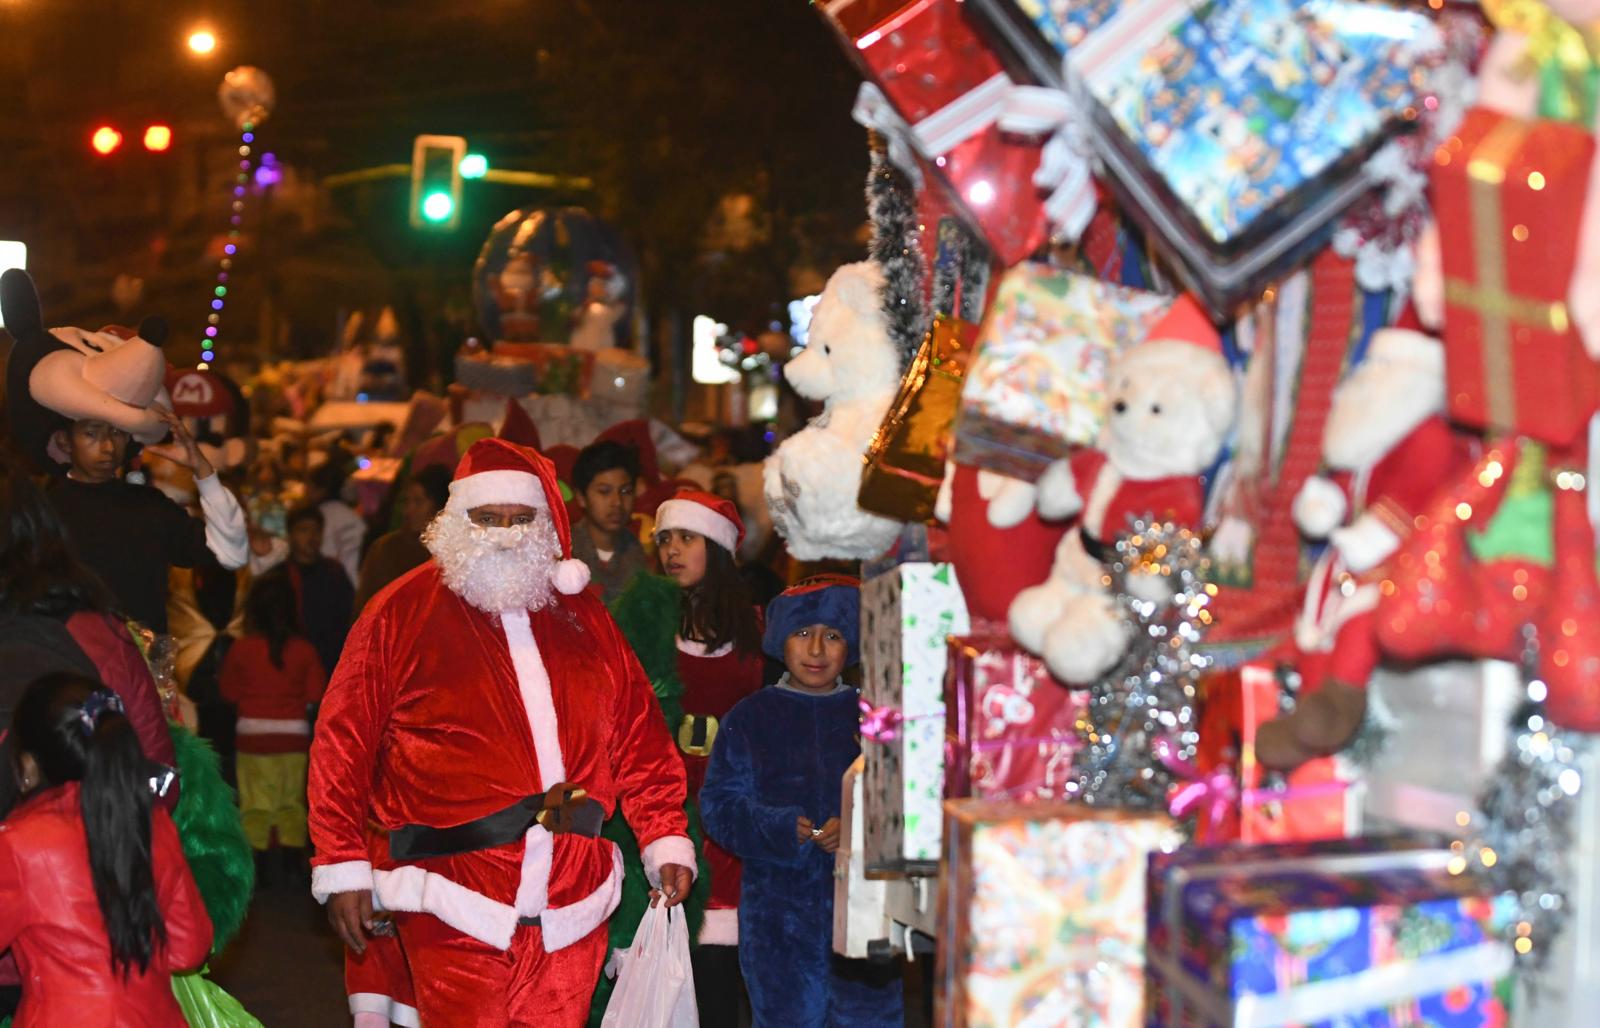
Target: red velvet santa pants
[463, 983]
[378, 983]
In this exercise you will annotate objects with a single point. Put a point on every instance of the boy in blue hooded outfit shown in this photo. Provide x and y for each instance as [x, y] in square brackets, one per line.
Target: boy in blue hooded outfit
[772, 798]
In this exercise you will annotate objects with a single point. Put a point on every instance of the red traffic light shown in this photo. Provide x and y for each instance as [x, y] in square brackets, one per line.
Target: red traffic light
[105, 140]
[157, 138]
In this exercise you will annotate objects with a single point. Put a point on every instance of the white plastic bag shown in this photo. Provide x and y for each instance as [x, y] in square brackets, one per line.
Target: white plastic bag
[655, 986]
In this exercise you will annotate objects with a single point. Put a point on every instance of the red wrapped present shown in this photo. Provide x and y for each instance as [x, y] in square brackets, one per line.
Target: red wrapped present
[1508, 194]
[1312, 803]
[1012, 729]
[948, 94]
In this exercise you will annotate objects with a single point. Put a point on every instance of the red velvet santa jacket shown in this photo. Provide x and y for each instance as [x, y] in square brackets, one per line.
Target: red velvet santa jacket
[439, 714]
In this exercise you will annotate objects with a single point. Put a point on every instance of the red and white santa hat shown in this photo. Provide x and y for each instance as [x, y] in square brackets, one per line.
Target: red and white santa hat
[711, 516]
[1186, 322]
[494, 471]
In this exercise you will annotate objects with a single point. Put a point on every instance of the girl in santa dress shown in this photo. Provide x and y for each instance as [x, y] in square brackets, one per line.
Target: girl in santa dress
[719, 662]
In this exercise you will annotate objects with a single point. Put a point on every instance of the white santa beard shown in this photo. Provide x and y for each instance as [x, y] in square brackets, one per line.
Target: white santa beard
[1375, 408]
[495, 569]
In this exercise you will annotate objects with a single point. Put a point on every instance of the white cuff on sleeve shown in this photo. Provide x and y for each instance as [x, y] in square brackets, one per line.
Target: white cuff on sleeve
[669, 849]
[350, 876]
[227, 532]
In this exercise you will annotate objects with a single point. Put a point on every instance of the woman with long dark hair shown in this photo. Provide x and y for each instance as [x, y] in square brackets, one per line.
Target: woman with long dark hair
[698, 637]
[96, 898]
[55, 615]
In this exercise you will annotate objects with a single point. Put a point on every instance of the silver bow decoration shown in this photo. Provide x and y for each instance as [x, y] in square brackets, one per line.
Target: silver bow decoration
[1064, 167]
[873, 110]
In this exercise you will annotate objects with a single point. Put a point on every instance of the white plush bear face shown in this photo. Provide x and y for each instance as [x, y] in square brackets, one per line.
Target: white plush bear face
[849, 354]
[1172, 406]
[1398, 387]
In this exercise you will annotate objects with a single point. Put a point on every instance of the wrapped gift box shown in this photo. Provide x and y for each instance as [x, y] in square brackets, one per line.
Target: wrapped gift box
[1451, 723]
[1037, 384]
[905, 462]
[1013, 730]
[906, 615]
[1358, 931]
[1238, 130]
[1037, 34]
[559, 368]
[860, 904]
[1315, 801]
[1507, 200]
[948, 89]
[1042, 915]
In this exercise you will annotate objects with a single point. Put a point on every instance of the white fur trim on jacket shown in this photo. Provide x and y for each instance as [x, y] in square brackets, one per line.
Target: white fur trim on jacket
[697, 517]
[331, 879]
[387, 1007]
[533, 681]
[491, 487]
[563, 926]
[669, 849]
[414, 890]
[720, 928]
[273, 726]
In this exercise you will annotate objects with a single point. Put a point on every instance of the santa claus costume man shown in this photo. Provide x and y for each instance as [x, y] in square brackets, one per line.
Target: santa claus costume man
[486, 717]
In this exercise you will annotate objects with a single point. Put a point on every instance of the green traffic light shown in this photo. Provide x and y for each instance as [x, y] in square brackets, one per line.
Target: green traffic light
[474, 165]
[438, 206]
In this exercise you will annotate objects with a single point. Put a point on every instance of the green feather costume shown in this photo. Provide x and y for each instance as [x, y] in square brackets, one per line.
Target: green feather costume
[648, 613]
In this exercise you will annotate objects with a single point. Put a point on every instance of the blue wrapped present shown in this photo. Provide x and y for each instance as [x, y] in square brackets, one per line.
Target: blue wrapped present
[1354, 932]
[1238, 130]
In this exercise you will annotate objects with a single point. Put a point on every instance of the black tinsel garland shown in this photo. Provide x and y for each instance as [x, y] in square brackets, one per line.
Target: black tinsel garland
[897, 248]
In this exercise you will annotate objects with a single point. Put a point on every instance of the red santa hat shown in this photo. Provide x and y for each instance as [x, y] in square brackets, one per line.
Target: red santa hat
[494, 471]
[712, 516]
[1186, 322]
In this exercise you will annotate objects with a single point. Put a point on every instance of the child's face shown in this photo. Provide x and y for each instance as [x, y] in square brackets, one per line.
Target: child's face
[683, 556]
[815, 656]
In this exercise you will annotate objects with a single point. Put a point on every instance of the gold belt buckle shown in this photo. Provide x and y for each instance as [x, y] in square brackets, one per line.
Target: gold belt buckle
[560, 802]
[686, 734]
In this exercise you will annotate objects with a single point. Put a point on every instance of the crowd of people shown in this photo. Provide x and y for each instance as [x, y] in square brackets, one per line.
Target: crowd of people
[487, 722]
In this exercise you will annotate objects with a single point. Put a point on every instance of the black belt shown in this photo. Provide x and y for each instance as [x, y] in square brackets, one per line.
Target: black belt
[564, 809]
[1104, 552]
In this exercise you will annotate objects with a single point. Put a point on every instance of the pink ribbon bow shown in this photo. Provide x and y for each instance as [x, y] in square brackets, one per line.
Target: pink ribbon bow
[1214, 791]
[880, 724]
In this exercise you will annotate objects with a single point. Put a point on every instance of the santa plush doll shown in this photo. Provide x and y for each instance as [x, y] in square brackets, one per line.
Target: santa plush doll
[1172, 400]
[485, 718]
[1387, 450]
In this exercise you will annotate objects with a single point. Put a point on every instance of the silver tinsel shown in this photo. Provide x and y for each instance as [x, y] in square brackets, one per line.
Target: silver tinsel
[1523, 841]
[1159, 577]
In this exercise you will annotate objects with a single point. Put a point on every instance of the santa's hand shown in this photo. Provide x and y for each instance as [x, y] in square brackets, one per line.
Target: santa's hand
[676, 881]
[1365, 543]
[350, 913]
[1319, 507]
[1058, 492]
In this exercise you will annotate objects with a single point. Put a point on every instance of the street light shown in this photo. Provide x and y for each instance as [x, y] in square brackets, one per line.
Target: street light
[202, 42]
[157, 138]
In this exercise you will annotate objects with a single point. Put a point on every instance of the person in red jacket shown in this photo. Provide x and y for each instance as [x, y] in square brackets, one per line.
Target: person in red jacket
[485, 717]
[96, 898]
[720, 663]
[273, 676]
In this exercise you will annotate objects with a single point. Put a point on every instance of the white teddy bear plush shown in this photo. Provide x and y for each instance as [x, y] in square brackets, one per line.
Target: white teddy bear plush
[1172, 405]
[850, 365]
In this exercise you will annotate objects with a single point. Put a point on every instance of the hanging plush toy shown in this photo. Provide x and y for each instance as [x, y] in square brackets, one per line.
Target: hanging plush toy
[1387, 450]
[57, 376]
[991, 514]
[1172, 406]
[850, 365]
